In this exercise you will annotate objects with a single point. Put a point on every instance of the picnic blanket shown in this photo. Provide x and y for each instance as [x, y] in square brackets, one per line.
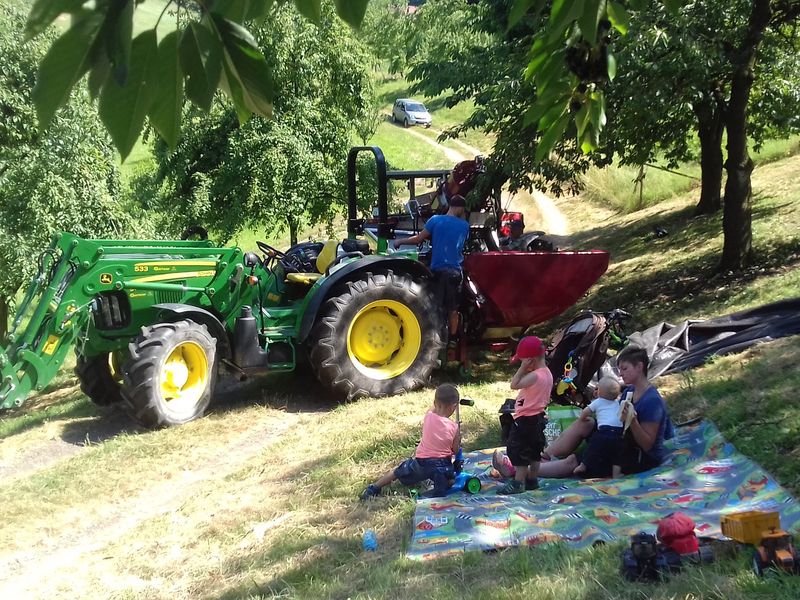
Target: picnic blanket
[704, 477]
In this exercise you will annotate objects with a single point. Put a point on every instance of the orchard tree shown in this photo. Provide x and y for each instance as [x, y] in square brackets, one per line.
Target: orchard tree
[470, 54]
[570, 64]
[280, 172]
[65, 179]
[673, 79]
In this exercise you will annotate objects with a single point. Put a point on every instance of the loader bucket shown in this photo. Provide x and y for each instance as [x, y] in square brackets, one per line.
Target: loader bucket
[525, 288]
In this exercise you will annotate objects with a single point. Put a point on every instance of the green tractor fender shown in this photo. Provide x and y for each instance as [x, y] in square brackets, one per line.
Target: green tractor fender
[322, 291]
[170, 313]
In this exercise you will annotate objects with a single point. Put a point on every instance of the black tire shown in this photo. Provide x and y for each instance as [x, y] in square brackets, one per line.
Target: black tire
[405, 122]
[329, 341]
[97, 380]
[394, 119]
[143, 389]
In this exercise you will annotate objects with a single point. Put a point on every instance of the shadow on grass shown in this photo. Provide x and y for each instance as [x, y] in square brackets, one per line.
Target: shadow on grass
[390, 96]
[752, 398]
[99, 429]
[70, 405]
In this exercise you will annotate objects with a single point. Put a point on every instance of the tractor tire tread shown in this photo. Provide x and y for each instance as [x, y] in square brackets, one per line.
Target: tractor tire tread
[96, 380]
[329, 356]
[146, 354]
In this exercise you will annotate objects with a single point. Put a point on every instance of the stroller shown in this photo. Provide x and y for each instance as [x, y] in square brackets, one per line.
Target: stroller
[575, 354]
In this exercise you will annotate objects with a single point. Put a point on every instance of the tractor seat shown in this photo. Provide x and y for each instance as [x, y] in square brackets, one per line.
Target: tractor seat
[326, 257]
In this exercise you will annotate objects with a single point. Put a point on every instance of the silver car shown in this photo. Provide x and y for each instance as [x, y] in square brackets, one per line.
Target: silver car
[410, 112]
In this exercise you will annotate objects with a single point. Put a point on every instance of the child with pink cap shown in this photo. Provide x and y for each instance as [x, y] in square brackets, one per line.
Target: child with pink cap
[526, 440]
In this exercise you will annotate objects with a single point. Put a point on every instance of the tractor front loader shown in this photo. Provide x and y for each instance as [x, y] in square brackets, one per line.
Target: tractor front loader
[153, 322]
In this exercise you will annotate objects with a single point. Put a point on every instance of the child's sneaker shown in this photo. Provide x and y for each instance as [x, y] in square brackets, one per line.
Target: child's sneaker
[511, 487]
[502, 463]
[371, 492]
[531, 484]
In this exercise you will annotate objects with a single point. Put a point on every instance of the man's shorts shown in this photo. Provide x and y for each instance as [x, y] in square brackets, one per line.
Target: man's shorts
[604, 450]
[447, 289]
[438, 470]
[526, 440]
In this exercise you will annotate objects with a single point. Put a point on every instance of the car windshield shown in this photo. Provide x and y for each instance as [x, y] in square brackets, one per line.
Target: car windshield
[416, 107]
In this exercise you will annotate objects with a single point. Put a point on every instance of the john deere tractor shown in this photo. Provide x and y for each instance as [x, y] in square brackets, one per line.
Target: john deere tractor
[154, 322]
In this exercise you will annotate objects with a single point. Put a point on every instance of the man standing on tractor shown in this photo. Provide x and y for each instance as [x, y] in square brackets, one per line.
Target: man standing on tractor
[514, 240]
[447, 234]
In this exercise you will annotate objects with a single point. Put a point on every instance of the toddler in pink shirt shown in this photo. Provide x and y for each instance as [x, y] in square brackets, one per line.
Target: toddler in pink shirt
[433, 459]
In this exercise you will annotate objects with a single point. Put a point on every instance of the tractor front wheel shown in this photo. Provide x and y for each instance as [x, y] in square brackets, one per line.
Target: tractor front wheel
[170, 377]
[99, 379]
[380, 336]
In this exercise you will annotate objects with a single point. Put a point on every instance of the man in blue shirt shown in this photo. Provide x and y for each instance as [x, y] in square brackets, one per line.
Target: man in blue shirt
[447, 233]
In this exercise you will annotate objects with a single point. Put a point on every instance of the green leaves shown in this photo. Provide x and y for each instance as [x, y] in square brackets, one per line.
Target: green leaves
[123, 108]
[201, 61]
[619, 17]
[165, 107]
[590, 17]
[44, 12]
[119, 29]
[554, 133]
[309, 9]
[246, 74]
[63, 65]
[212, 52]
[351, 11]
[521, 8]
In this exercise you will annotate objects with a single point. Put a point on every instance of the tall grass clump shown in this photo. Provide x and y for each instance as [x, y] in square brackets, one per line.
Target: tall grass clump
[617, 187]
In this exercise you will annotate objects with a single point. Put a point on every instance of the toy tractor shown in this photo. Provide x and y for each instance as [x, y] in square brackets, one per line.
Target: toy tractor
[775, 550]
[153, 323]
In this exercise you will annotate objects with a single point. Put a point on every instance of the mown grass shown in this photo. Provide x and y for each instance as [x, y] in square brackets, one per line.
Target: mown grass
[287, 523]
[677, 277]
[616, 185]
[443, 117]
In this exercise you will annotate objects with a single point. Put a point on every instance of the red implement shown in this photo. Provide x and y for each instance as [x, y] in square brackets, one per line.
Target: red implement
[525, 288]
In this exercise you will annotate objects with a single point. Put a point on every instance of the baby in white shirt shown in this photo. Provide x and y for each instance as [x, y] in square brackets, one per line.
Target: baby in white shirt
[605, 410]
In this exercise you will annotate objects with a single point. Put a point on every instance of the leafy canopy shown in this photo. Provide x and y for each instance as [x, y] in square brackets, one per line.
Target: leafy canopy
[269, 174]
[64, 179]
[147, 78]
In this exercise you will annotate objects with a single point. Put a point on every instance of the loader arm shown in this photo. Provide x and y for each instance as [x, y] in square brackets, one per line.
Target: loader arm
[45, 326]
[95, 296]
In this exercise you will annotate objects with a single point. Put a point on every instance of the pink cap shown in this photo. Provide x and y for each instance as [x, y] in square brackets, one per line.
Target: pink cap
[529, 347]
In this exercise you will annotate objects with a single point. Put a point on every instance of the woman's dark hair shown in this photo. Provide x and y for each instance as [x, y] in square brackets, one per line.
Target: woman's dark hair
[633, 355]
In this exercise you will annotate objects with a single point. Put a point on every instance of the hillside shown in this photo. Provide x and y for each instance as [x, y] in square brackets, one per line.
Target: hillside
[258, 499]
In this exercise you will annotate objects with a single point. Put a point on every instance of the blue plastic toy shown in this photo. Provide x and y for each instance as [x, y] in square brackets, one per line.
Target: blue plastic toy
[463, 481]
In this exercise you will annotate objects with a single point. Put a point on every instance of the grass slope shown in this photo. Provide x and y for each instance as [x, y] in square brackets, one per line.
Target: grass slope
[220, 508]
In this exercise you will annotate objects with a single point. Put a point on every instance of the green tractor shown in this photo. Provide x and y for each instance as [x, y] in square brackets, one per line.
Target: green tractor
[153, 323]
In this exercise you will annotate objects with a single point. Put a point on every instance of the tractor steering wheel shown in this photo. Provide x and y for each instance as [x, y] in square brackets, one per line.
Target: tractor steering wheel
[269, 251]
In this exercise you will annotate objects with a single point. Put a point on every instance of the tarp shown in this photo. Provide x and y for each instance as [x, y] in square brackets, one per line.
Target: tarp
[678, 347]
[704, 477]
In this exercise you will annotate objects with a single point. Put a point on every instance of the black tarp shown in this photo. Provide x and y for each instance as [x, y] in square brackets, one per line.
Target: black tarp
[674, 348]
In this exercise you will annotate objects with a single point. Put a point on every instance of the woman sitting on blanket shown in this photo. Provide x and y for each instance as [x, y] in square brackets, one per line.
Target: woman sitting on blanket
[643, 446]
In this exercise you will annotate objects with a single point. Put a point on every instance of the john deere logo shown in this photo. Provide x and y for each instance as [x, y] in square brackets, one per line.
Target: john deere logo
[105, 278]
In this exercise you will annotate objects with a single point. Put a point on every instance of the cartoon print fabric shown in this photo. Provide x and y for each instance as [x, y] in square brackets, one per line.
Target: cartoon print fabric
[704, 477]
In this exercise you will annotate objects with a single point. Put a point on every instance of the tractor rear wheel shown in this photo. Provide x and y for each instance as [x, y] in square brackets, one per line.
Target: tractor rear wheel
[98, 380]
[380, 336]
[170, 377]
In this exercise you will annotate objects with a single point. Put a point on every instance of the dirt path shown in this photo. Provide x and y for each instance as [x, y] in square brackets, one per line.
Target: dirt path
[57, 556]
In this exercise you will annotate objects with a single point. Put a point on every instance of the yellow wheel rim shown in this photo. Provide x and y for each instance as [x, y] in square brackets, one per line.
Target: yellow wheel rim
[184, 376]
[384, 339]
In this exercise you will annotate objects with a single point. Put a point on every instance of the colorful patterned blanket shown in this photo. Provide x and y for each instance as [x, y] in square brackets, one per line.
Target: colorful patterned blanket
[703, 477]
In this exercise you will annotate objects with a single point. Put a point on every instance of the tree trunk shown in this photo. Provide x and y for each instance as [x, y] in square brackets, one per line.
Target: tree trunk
[292, 231]
[737, 213]
[3, 317]
[710, 128]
